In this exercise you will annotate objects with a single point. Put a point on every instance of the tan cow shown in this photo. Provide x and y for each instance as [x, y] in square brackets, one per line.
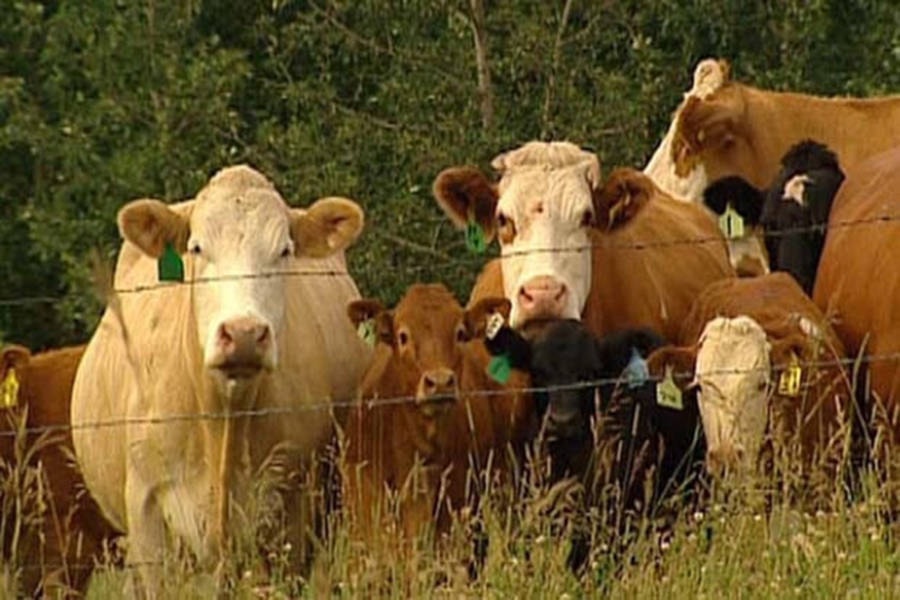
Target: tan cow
[724, 127]
[859, 284]
[251, 330]
[422, 435]
[58, 532]
[741, 336]
[618, 254]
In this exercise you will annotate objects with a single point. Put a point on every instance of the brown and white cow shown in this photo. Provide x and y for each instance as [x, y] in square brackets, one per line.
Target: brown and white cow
[739, 338]
[430, 420]
[858, 282]
[724, 127]
[59, 531]
[619, 253]
[251, 330]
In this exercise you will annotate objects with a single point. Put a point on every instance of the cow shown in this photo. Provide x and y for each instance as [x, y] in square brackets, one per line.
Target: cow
[219, 379]
[62, 532]
[741, 338]
[858, 284]
[429, 421]
[748, 251]
[725, 127]
[601, 421]
[791, 215]
[618, 253]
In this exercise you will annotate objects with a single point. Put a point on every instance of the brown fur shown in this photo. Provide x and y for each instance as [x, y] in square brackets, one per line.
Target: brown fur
[385, 442]
[858, 280]
[742, 130]
[72, 534]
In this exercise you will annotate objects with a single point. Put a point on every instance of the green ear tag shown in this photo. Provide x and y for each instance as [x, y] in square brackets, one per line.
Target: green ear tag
[169, 265]
[366, 332]
[731, 223]
[499, 368]
[667, 393]
[475, 238]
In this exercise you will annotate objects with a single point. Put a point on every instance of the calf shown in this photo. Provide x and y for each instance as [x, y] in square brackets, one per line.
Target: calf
[421, 429]
[792, 214]
[63, 531]
[635, 439]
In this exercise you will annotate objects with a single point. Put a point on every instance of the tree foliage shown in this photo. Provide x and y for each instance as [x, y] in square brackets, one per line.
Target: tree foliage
[104, 101]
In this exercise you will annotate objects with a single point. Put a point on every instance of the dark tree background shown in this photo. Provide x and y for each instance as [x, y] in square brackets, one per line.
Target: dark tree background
[104, 101]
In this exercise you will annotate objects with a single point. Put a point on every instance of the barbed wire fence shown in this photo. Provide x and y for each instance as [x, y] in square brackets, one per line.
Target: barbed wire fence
[468, 262]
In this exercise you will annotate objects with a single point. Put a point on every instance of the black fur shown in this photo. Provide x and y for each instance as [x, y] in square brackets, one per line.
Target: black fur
[743, 197]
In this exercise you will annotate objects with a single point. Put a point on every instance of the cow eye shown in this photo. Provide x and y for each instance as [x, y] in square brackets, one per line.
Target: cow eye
[195, 249]
[587, 218]
[506, 228]
[286, 252]
[461, 334]
[502, 220]
[402, 338]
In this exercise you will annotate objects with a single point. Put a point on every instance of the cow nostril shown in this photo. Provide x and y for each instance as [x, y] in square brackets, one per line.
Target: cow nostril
[225, 336]
[525, 295]
[264, 336]
[561, 292]
[429, 383]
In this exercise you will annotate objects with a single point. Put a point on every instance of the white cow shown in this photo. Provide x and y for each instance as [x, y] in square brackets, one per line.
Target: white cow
[250, 330]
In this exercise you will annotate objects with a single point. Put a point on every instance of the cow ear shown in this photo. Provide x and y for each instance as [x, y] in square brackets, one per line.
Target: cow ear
[681, 360]
[622, 196]
[367, 309]
[477, 316]
[329, 225]
[703, 125]
[464, 194]
[151, 225]
[13, 356]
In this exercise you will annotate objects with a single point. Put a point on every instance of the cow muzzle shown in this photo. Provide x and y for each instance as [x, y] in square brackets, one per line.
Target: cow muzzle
[243, 348]
[543, 297]
[437, 389]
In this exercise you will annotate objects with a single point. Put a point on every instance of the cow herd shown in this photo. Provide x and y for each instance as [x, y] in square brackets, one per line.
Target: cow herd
[647, 332]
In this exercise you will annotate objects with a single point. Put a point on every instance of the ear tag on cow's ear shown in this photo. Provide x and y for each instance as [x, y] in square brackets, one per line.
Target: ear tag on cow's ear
[366, 332]
[636, 373]
[789, 382]
[731, 223]
[494, 324]
[170, 266]
[667, 393]
[500, 368]
[9, 390]
[475, 238]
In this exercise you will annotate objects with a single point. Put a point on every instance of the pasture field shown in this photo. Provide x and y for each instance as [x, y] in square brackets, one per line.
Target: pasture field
[736, 547]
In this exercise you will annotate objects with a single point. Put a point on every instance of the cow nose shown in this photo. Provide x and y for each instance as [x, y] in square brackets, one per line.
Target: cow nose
[565, 426]
[543, 296]
[723, 459]
[437, 386]
[242, 345]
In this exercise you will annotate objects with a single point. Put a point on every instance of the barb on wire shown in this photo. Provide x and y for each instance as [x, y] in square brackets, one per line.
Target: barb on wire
[409, 399]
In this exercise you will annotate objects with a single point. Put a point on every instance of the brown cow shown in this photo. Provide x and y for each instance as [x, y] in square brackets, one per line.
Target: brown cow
[858, 281]
[419, 431]
[63, 532]
[740, 336]
[724, 127]
[618, 254]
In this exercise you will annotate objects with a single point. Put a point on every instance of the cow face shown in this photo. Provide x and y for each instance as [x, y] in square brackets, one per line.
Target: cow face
[673, 167]
[427, 334]
[239, 242]
[797, 207]
[541, 212]
[749, 253]
[733, 371]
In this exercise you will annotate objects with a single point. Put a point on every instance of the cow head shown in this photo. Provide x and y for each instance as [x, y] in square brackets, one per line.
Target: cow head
[673, 167]
[542, 212]
[426, 334]
[239, 242]
[749, 253]
[733, 371]
[797, 207]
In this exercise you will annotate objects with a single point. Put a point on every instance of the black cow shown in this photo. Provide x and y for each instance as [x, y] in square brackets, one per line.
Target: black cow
[793, 211]
[600, 418]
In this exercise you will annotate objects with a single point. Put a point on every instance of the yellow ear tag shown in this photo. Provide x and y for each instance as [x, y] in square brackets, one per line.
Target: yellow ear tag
[366, 332]
[667, 393]
[731, 223]
[9, 390]
[789, 382]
